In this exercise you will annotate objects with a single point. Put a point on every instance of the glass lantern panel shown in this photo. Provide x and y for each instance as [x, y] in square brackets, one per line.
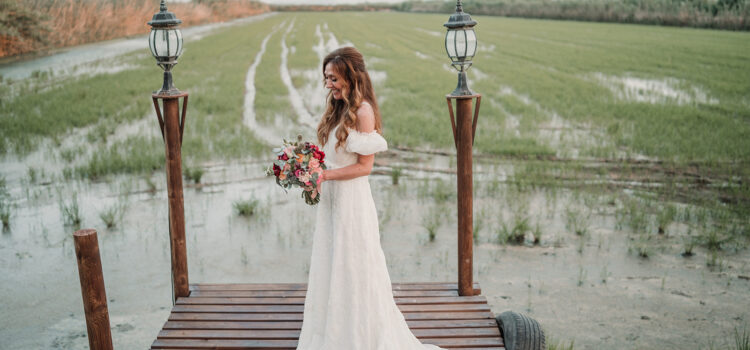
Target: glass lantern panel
[471, 43]
[167, 43]
[179, 42]
[172, 45]
[152, 42]
[461, 44]
[161, 43]
[450, 43]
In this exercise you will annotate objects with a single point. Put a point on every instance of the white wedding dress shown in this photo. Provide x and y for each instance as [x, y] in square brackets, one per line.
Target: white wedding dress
[349, 303]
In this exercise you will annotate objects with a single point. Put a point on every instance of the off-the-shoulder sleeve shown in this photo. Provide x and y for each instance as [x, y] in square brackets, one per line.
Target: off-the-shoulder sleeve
[365, 143]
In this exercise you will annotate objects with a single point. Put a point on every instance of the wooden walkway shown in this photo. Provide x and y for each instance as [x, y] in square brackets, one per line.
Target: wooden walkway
[269, 316]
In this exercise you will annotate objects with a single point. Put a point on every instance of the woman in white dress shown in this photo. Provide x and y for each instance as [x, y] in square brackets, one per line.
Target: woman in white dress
[349, 303]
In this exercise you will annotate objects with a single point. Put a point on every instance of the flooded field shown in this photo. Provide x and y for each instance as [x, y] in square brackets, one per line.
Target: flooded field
[600, 216]
[575, 269]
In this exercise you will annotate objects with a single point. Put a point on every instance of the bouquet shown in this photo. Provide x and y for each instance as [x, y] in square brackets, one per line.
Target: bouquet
[299, 164]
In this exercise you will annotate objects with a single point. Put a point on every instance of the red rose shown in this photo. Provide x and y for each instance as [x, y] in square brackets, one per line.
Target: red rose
[276, 170]
[284, 157]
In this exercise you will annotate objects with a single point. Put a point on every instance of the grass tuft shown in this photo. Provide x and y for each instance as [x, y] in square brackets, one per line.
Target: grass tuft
[248, 207]
[396, 173]
[194, 174]
[71, 212]
[432, 220]
[111, 215]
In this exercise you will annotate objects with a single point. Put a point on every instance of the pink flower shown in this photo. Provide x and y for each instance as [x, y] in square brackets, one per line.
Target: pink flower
[314, 163]
[305, 178]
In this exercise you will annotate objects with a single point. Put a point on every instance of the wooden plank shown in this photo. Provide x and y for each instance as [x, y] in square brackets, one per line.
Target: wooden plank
[303, 286]
[195, 344]
[294, 334]
[234, 317]
[300, 308]
[191, 344]
[212, 316]
[240, 325]
[291, 344]
[302, 293]
[269, 316]
[479, 299]
[463, 342]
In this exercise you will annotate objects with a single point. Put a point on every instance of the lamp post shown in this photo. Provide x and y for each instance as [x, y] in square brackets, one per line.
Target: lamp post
[461, 45]
[165, 42]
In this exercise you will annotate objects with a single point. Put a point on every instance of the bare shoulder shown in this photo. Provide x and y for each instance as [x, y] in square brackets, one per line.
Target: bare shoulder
[365, 118]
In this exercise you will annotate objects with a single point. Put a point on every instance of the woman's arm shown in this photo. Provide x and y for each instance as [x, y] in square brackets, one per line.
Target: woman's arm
[363, 166]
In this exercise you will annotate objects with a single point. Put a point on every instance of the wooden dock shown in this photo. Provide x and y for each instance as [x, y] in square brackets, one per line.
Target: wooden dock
[269, 316]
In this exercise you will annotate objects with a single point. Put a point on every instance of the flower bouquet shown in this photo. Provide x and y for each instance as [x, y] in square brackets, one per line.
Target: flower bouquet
[299, 164]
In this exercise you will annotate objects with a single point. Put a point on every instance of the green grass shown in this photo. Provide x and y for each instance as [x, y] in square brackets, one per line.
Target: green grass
[194, 174]
[248, 207]
[534, 68]
[514, 231]
[741, 340]
[110, 216]
[134, 155]
[71, 212]
[271, 98]
[5, 213]
[432, 219]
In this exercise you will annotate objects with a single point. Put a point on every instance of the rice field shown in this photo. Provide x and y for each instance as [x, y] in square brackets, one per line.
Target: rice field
[611, 169]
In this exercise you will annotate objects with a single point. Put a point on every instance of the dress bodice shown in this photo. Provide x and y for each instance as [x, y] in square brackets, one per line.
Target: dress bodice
[364, 143]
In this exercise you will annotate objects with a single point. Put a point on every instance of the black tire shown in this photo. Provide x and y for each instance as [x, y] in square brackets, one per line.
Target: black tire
[520, 332]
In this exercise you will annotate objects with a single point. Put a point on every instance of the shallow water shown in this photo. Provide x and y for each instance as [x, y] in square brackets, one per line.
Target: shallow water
[588, 289]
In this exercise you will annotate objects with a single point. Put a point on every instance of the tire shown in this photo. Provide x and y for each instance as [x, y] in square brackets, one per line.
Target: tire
[520, 332]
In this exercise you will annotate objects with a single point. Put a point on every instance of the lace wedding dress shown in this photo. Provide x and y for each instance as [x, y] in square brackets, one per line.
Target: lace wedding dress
[349, 303]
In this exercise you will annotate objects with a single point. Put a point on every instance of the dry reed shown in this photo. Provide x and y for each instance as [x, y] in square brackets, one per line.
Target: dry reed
[59, 23]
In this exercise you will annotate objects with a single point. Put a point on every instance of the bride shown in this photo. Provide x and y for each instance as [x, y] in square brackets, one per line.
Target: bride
[349, 303]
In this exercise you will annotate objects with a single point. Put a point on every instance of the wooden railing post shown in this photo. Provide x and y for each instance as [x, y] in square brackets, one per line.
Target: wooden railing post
[464, 128]
[92, 289]
[172, 126]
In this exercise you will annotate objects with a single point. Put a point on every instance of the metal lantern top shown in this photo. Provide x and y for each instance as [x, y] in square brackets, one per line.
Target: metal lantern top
[165, 40]
[460, 39]
[164, 18]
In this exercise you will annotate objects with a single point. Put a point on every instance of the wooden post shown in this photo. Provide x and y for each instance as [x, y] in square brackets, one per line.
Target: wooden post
[92, 289]
[172, 126]
[464, 127]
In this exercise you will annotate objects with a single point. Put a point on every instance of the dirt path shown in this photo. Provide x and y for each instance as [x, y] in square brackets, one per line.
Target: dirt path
[303, 115]
[264, 133]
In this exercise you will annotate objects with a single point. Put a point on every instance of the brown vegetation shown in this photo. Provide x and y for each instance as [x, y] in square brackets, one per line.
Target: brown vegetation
[39, 25]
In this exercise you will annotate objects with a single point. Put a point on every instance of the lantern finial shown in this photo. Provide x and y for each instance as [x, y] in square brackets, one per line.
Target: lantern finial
[163, 6]
[459, 7]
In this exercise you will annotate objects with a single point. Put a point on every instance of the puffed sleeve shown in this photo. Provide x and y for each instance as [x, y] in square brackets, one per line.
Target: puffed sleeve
[365, 143]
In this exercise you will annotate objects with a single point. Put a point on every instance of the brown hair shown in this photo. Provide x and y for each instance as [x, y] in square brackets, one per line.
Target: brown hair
[348, 63]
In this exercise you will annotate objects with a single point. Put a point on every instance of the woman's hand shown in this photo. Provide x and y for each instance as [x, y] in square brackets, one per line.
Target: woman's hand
[321, 178]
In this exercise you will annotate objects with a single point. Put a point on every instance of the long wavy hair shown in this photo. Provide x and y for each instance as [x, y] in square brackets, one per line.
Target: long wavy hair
[349, 64]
